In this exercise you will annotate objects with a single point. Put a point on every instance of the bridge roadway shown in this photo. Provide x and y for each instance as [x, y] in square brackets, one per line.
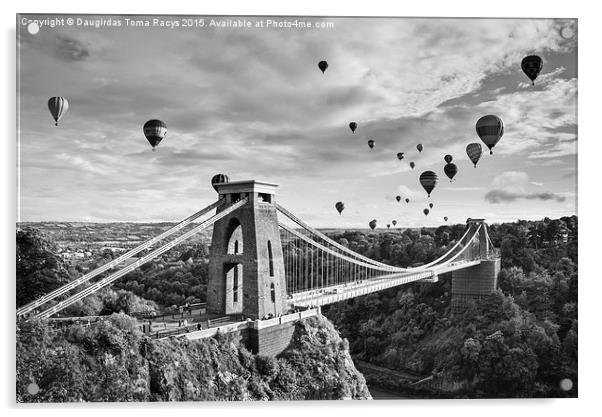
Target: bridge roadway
[336, 293]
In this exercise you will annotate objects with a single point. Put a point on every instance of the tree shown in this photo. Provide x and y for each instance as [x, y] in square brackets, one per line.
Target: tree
[39, 269]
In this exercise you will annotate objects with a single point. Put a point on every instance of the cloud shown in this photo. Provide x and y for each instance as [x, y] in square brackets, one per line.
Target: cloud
[503, 196]
[543, 79]
[70, 49]
[510, 186]
[510, 178]
[253, 104]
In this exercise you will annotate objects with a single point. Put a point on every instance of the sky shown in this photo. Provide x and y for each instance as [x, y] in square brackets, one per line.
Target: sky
[251, 103]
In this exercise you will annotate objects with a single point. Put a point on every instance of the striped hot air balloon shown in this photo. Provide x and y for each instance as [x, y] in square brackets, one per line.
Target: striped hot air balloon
[219, 179]
[154, 130]
[490, 129]
[531, 66]
[340, 206]
[428, 180]
[474, 151]
[58, 106]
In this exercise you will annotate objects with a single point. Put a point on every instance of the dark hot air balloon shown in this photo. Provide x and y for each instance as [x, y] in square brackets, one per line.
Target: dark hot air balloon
[428, 180]
[474, 151]
[426, 212]
[388, 226]
[490, 129]
[372, 224]
[155, 131]
[371, 143]
[431, 205]
[398, 198]
[322, 65]
[407, 200]
[219, 179]
[352, 126]
[394, 222]
[448, 158]
[531, 66]
[400, 155]
[419, 147]
[340, 207]
[445, 218]
[412, 165]
[58, 106]
[450, 170]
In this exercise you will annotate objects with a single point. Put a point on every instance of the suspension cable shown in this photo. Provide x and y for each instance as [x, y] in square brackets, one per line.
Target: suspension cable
[106, 281]
[85, 278]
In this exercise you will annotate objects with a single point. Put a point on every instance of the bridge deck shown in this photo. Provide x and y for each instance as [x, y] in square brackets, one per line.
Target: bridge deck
[338, 293]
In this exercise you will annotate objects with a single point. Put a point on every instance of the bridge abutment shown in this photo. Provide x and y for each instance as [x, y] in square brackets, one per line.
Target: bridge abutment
[472, 283]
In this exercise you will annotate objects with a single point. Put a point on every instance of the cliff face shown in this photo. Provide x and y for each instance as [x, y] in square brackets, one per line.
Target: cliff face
[114, 362]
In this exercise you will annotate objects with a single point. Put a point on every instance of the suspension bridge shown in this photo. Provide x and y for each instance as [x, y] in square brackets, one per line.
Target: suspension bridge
[266, 262]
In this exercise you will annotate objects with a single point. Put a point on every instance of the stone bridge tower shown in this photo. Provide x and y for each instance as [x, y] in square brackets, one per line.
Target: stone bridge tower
[246, 268]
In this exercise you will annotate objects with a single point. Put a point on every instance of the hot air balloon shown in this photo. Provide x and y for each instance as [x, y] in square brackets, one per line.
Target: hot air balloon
[352, 126]
[400, 155]
[426, 212]
[419, 147]
[531, 66]
[450, 170]
[412, 165]
[371, 143]
[448, 158]
[340, 207]
[474, 151]
[407, 200]
[431, 205]
[155, 131]
[322, 65]
[490, 129]
[445, 218]
[394, 223]
[388, 226]
[372, 224]
[428, 180]
[398, 198]
[219, 179]
[58, 106]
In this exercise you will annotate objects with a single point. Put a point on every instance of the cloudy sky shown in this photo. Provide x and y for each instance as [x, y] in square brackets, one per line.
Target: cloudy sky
[252, 103]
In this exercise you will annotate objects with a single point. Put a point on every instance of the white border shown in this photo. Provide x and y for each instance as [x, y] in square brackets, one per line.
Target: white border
[589, 147]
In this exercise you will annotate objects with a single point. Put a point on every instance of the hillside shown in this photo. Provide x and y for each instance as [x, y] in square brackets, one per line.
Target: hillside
[115, 362]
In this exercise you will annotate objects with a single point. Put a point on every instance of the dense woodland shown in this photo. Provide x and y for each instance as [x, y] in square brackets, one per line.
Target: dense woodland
[519, 342]
[115, 362]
